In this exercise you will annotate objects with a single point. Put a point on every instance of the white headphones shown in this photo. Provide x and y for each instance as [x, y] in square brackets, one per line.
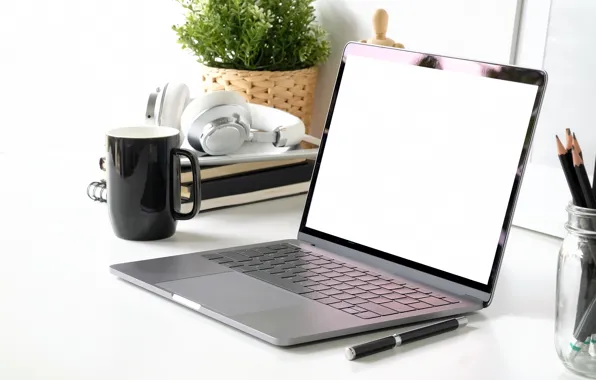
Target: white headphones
[220, 122]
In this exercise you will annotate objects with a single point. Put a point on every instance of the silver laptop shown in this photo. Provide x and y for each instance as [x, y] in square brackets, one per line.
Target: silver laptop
[408, 212]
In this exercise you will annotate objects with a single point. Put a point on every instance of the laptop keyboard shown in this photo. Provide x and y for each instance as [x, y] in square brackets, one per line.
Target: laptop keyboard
[343, 286]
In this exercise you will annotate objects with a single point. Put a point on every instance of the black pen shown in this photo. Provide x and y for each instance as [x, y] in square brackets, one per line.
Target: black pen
[387, 343]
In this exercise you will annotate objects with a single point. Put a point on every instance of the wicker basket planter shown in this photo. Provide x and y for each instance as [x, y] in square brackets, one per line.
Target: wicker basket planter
[291, 91]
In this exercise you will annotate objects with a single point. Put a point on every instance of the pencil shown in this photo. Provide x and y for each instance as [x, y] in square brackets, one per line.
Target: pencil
[570, 176]
[568, 140]
[577, 147]
[584, 181]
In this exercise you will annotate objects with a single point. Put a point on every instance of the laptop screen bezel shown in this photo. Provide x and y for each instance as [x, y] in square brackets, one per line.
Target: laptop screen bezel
[540, 82]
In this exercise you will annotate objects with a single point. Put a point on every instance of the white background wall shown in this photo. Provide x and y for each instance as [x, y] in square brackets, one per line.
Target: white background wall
[71, 69]
[477, 29]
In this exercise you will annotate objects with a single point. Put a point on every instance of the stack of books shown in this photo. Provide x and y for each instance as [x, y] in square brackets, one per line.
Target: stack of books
[247, 182]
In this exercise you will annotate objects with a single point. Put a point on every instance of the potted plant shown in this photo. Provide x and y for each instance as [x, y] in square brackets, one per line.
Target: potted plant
[267, 50]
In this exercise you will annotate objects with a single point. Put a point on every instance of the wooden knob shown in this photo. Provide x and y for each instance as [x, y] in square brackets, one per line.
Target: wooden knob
[380, 21]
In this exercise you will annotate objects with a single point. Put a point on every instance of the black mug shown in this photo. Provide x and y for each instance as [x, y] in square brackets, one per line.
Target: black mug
[143, 182]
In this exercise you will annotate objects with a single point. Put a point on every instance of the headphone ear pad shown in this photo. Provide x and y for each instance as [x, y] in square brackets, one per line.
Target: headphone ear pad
[196, 107]
[175, 98]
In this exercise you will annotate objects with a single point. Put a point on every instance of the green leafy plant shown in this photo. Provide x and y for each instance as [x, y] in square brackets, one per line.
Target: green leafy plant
[253, 34]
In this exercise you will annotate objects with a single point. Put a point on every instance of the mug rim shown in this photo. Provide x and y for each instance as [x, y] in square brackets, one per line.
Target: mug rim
[142, 132]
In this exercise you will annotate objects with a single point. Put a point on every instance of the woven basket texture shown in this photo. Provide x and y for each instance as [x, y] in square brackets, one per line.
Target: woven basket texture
[291, 91]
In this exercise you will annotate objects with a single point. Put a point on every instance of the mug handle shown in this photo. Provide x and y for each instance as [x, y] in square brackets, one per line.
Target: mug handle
[196, 185]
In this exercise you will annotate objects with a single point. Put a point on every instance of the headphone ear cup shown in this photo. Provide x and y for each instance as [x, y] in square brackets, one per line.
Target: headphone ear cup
[196, 116]
[175, 98]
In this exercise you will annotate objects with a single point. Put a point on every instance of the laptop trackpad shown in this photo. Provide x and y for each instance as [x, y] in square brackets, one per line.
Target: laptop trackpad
[232, 293]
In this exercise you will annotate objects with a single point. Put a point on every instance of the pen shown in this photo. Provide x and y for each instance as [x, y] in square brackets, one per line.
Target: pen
[387, 343]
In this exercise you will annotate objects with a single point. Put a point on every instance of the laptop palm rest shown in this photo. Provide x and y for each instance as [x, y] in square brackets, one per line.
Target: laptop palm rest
[232, 293]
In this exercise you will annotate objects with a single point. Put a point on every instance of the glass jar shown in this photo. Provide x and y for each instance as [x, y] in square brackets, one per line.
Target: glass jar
[575, 319]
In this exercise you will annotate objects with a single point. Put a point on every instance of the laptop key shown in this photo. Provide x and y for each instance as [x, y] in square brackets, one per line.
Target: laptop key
[310, 274]
[309, 266]
[354, 274]
[366, 315]
[277, 262]
[330, 282]
[320, 262]
[223, 260]
[358, 309]
[288, 285]
[287, 275]
[253, 253]
[304, 283]
[451, 300]
[263, 250]
[437, 295]
[332, 274]
[354, 290]
[318, 278]
[287, 251]
[266, 258]
[297, 278]
[379, 282]
[343, 270]
[275, 271]
[296, 270]
[420, 305]
[368, 287]
[331, 266]
[367, 278]
[344, 278]
[406, 300]
[264, 267]
[391, 286]
[381, 291]
[398, 307]
[386, 278]
[212, 256]
[344, 296]
[287, 266]
[343, 287]
[356, 283]
[234, 264]
[350, 310]
[405, 291]
[356, 301]
[314, 295]
[367, 295]
[379, 300]
[320, 270]
[340, 305]
[417, 295]
[377, 308]
[277, 246]
[327, 300]
[394, 296]
[434, 301]
[310, 258]
[236, 256]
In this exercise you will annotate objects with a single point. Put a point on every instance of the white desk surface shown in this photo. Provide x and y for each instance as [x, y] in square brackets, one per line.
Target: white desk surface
[64, 316]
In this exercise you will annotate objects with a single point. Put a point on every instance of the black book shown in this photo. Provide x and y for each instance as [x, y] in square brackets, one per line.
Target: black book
[253, 182]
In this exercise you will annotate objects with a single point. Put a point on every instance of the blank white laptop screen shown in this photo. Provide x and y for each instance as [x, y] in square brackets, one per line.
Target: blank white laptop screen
[420, 160]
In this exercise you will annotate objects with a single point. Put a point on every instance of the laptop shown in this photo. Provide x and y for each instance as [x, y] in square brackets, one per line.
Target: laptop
[408, 212]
